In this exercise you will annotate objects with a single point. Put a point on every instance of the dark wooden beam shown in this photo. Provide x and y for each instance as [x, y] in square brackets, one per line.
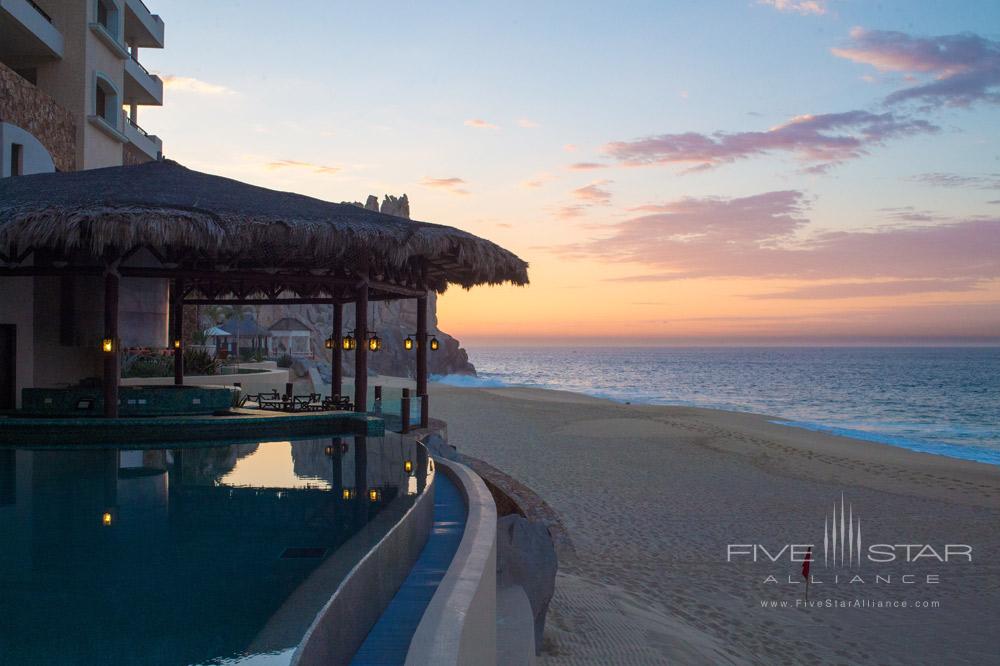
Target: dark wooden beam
[361, 352]
[177, 332]
[111, 364]
[337, 362]
[422, 344]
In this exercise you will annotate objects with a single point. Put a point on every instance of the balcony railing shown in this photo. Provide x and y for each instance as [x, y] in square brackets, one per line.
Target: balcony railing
[40, 11]
[135, 125]
[141, 66]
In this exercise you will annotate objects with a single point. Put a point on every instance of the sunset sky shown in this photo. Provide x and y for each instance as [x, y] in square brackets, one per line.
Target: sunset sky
[673, 171]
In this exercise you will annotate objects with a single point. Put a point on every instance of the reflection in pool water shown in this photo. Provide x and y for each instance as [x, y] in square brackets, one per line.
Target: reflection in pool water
[179, 555]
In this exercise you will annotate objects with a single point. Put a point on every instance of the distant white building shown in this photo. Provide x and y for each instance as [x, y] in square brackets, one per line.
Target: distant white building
[290, 336]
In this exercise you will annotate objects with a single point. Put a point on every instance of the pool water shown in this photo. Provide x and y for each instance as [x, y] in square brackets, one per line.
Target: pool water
[179, 555]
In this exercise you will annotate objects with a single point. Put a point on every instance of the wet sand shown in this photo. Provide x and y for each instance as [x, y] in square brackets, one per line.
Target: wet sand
[652, 496]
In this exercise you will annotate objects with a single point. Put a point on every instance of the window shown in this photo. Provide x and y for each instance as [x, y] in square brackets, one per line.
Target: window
[16, 159]
[106, 104]
[107, 16]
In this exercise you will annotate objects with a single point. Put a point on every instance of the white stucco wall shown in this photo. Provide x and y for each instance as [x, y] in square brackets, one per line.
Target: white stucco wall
[34, 157]
[57, 364]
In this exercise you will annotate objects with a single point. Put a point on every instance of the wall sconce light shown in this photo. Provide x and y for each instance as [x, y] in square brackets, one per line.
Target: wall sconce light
[107, 519]
[375, 342]
[408, 466]
[435, 345]
[177, 343]
[348, 493]
[408, 343]
[374, 494]
[349, 343]
[108, 345]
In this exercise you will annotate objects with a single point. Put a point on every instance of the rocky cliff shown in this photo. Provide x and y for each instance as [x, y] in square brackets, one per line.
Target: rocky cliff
[393, 321]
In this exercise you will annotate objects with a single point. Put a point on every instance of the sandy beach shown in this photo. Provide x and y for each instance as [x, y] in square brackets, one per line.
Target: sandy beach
[653, 496]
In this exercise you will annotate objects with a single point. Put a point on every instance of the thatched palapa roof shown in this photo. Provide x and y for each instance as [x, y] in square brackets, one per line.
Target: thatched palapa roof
[199, 220]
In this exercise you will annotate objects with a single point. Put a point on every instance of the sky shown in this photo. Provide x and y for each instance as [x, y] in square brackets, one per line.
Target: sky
[674, 172]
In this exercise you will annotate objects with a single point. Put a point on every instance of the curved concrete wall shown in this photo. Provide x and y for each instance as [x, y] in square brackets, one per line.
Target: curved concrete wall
[459, 625]
[343, 624]
[35, 157]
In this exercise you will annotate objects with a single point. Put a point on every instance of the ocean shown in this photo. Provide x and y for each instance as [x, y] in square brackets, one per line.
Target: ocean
[942, 400]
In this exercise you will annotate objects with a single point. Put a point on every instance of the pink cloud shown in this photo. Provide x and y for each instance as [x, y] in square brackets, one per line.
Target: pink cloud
[586, 166]
[820, 141]
[764, 236]
[479, 123]
[941, 179]
[308, 166]
[964, 68]
[453, 184]
[570, 212]
[797, 6]
[869, 289]
[538, 181]
[595, 193]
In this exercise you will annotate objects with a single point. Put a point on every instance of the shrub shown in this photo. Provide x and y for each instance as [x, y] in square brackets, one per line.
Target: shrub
[199, 362]
[145, 365]
[285, 361]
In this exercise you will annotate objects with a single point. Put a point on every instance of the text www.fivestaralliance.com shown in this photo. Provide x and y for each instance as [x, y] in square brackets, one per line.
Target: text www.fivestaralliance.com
[848, 603]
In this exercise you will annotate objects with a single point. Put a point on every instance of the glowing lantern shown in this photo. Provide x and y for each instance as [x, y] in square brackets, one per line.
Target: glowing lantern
[328, 343]
[349, 343]
[408, 466]
[374, 494]
[177, 344]
[348, 493]
[408, 343]
[108, 345]
[375, 342]
[435, 345]
[106, 519]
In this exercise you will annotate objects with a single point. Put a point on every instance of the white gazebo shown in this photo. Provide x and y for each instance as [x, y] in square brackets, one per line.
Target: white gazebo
[290, 336]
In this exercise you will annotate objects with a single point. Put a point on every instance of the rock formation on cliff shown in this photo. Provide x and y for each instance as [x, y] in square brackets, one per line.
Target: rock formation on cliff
[393, 320]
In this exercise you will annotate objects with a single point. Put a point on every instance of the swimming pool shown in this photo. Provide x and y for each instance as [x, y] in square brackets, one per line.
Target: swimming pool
[186, 554]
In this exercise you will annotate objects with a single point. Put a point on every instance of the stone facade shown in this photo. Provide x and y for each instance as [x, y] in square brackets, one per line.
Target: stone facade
[29, 108]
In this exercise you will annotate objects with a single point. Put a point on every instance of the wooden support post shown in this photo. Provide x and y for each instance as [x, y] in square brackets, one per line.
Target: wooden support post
[337, 362]
[177, 330]
[404, 410]
[288, 390]
[361, 353]
[111, 369]
[422, 345]
[425, 410]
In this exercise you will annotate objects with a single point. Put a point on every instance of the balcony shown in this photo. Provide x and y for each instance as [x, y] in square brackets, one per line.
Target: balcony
[142, 27]
[29, 37]
[141, 87]
[148, 144]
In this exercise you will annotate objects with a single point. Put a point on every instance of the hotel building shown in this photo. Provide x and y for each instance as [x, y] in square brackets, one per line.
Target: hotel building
[71, 84]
